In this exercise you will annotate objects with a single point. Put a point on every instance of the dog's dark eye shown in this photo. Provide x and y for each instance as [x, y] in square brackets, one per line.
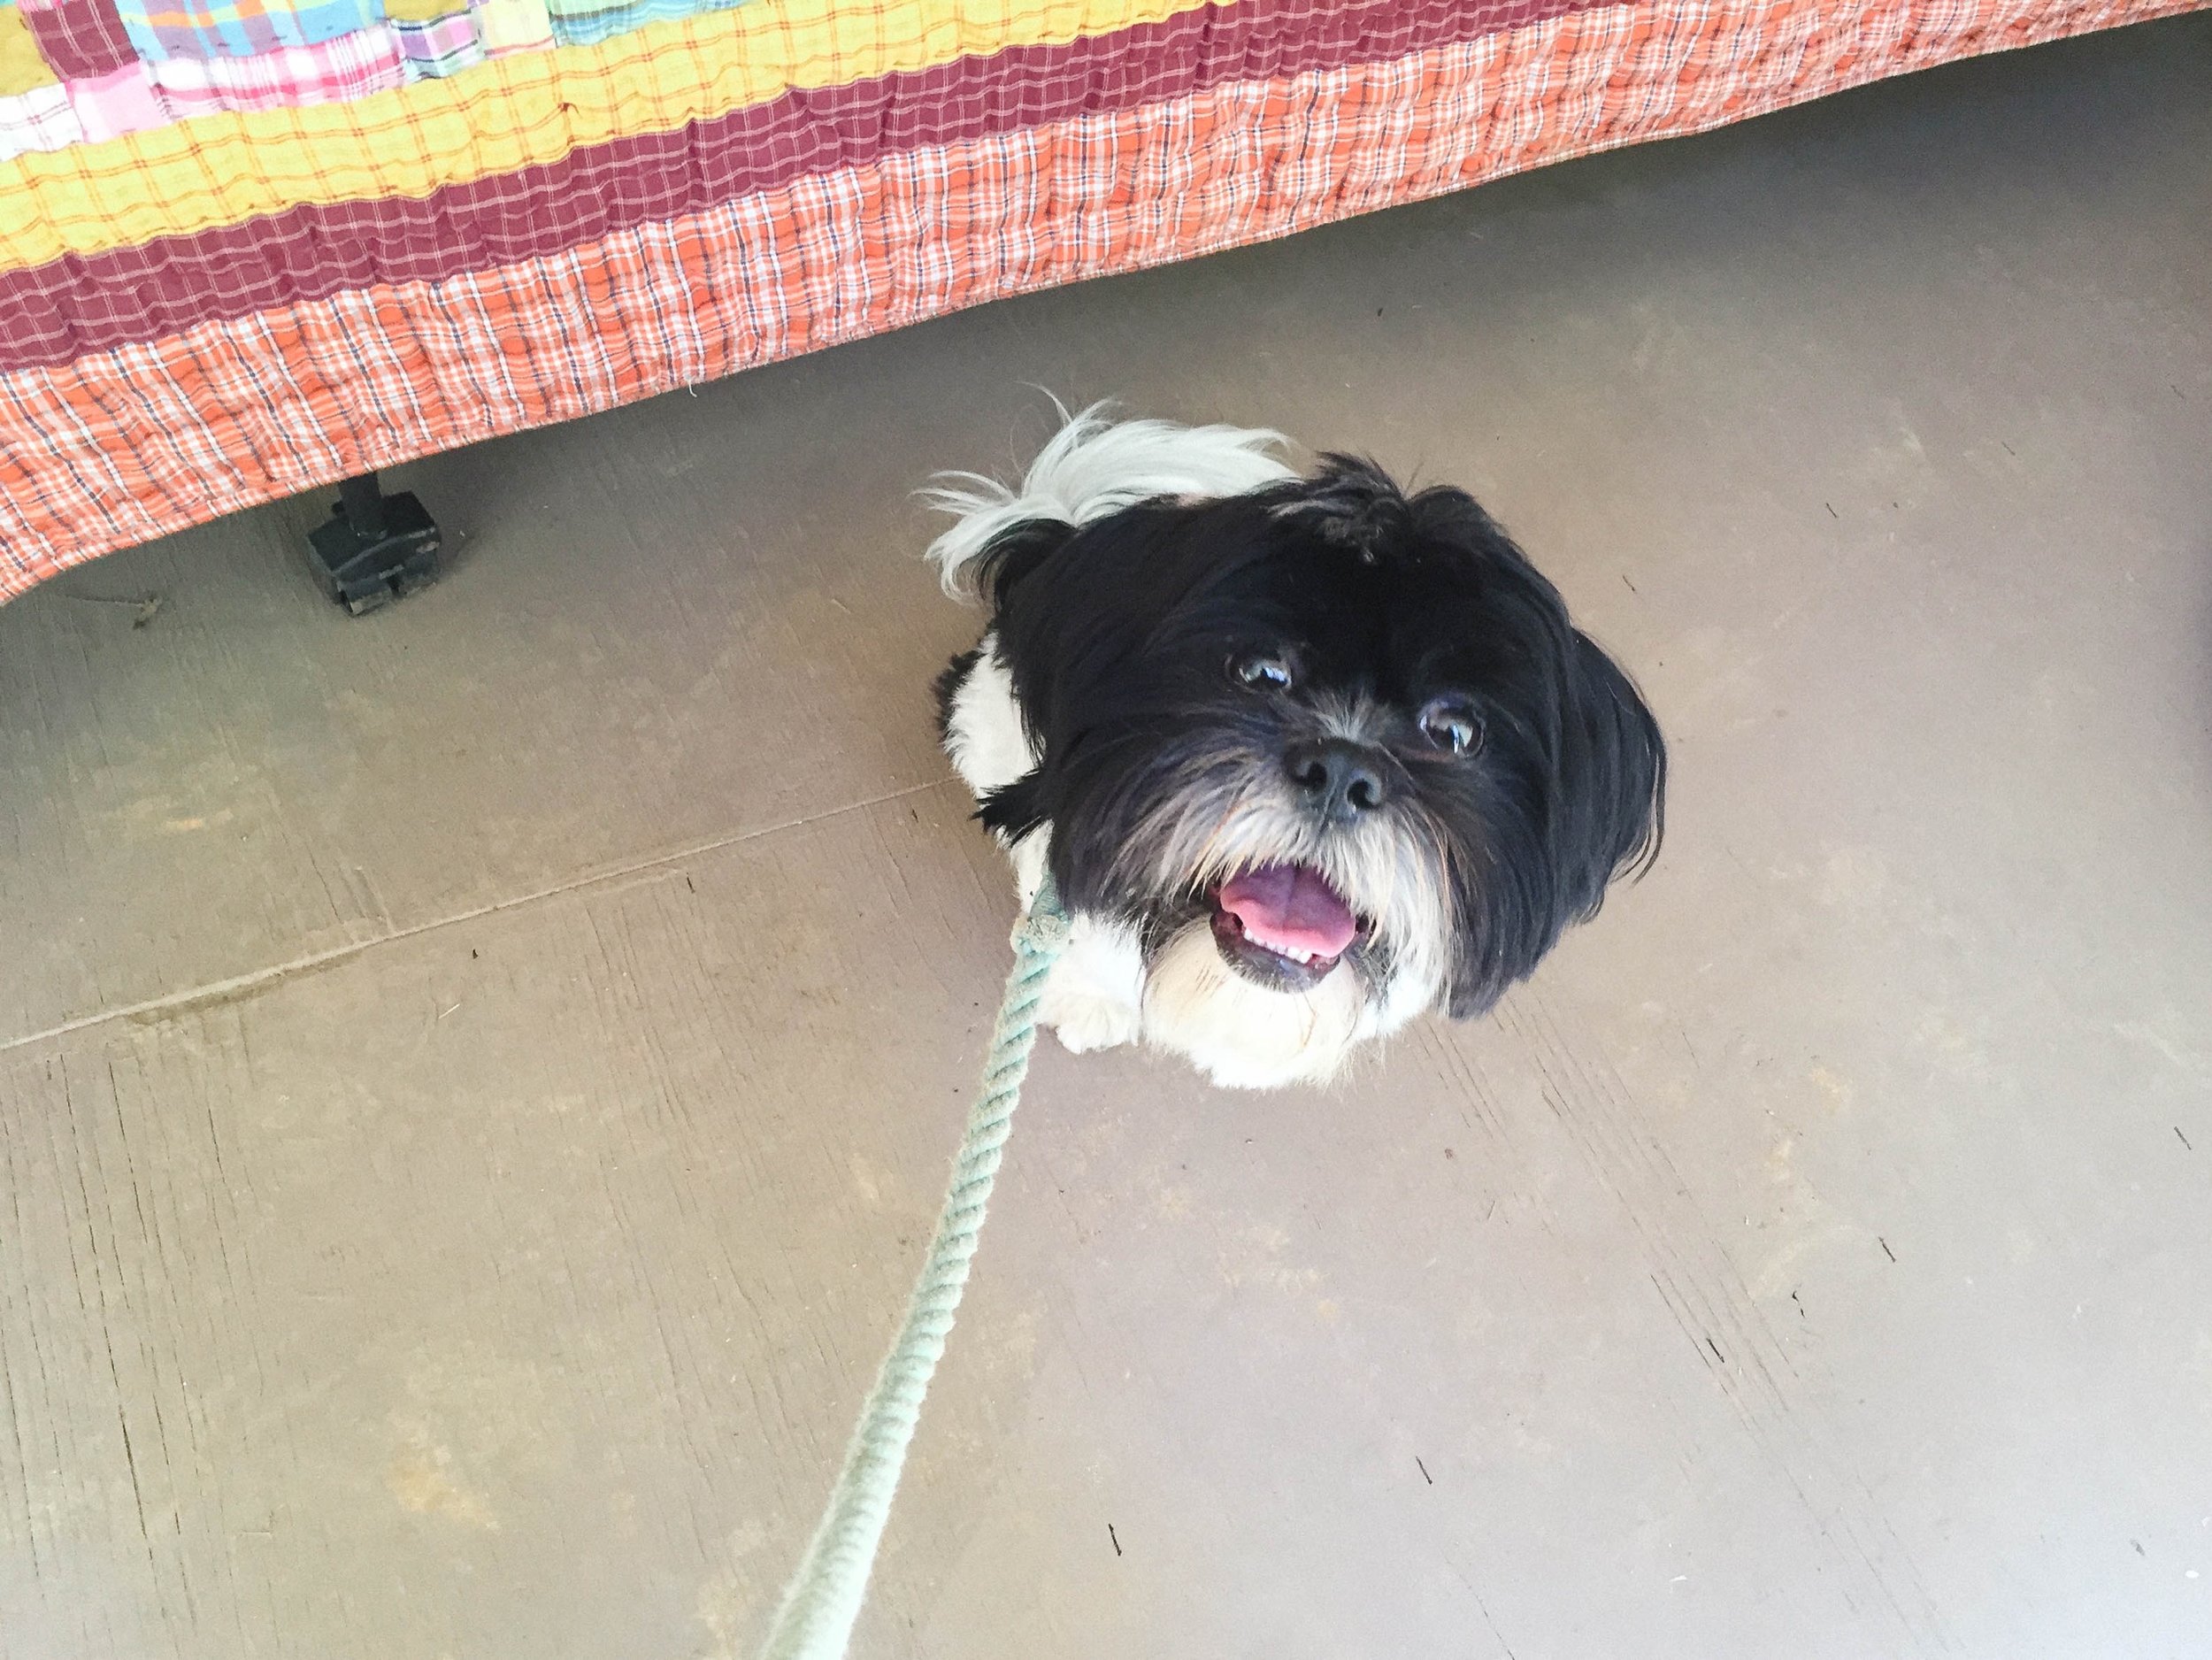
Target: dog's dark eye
[1451, 723]
[1261, 672]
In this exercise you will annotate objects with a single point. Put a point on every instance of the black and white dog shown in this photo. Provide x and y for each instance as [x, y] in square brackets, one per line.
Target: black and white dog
[1305, 755]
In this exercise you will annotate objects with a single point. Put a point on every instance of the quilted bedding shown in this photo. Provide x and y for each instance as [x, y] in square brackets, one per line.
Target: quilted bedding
[251, 246]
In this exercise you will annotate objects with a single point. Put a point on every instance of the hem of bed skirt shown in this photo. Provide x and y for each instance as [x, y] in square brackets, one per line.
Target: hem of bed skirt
[81, 302]
[257, 462]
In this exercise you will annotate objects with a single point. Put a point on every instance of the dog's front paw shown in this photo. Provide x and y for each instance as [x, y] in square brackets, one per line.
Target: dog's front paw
[1083, 1021]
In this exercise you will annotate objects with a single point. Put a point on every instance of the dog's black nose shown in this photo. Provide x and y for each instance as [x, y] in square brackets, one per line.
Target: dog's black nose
[1341, 779]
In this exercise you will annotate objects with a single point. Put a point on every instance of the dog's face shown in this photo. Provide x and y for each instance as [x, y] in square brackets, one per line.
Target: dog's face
[1323, 744]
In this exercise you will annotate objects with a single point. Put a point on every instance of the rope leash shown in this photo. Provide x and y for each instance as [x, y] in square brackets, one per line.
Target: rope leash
[815, 1621]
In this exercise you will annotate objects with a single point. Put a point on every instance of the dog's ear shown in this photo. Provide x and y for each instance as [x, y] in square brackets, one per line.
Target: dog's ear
[1609, 813]
[992, 571]
[1601, 774]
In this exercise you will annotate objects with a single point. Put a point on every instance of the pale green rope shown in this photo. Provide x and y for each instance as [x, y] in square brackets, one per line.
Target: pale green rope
[823, 1600]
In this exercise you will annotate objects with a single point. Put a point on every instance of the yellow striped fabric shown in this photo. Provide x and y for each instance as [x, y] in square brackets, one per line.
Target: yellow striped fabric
[510, 113]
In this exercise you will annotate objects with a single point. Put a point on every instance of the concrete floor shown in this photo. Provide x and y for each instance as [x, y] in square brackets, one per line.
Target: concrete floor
[473, 1080]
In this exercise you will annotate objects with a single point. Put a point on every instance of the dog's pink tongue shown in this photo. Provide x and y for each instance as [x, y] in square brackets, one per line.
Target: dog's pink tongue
[1289, 908]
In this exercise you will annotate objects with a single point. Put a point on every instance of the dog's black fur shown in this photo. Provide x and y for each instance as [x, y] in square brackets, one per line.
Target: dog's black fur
[1122, 636]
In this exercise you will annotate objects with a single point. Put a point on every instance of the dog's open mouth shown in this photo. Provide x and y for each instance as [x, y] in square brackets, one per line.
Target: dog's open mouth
[1282, 926]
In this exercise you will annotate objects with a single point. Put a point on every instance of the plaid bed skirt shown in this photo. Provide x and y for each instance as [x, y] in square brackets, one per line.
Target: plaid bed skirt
[244, 253]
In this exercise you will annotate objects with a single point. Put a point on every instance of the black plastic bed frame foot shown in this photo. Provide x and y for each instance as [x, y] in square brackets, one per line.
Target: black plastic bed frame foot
[373, 548]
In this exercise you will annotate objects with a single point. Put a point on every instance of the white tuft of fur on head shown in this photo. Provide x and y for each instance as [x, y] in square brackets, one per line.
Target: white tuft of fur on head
[1094, 466]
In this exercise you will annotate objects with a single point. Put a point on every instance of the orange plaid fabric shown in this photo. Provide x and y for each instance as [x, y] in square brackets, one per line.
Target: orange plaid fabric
[120, 446]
